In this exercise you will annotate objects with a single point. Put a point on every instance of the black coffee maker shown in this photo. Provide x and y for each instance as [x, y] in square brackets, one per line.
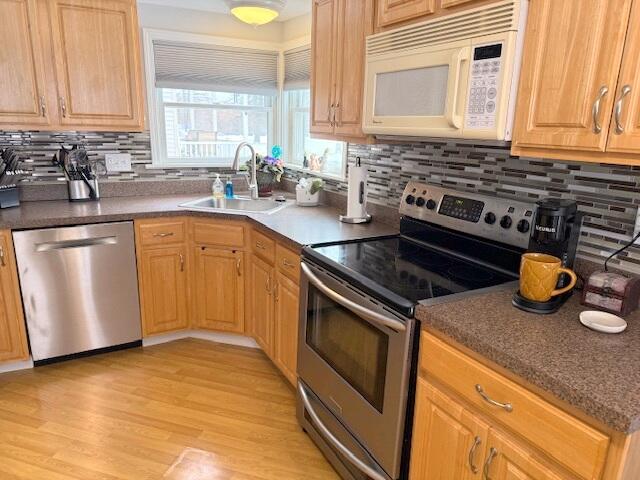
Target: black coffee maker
[556, 231]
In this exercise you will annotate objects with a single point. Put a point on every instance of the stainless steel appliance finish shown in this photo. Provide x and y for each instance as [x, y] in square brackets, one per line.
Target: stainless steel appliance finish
[369, 351]
[235, 205]
[79, 288]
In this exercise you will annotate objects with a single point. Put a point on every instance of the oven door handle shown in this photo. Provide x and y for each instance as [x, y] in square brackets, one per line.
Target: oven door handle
[359, 464]
[353, 306]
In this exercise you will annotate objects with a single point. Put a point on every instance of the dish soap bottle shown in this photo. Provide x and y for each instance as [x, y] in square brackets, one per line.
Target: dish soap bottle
[228, 188]
[218, 188]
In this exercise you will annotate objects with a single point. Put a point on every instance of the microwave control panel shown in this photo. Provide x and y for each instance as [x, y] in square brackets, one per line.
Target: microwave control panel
[484, 84]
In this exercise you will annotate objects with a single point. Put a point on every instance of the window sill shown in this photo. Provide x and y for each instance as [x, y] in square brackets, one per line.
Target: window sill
[311, 173]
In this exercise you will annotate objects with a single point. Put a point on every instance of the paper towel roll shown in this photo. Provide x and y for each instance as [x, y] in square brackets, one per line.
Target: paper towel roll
[357, 193]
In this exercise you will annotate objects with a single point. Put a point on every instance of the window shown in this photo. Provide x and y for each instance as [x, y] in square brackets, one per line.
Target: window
[318, 157]
[204, 128]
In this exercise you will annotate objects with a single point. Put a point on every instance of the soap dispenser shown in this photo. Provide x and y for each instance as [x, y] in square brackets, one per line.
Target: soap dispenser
[218, 188]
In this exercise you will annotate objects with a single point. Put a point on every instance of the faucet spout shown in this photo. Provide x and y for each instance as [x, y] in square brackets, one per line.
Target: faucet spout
[253, 182]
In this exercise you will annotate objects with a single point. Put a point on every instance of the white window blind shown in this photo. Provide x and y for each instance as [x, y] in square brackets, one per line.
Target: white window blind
[215, 68]
[297, 68]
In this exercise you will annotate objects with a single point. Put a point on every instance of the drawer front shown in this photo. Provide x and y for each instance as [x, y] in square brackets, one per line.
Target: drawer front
[288, 263]
[224, 234]
[263, 246]
[569, 441]
[162, 232]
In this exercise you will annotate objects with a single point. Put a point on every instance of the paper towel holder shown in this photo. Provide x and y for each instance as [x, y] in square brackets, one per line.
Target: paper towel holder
[362, 198]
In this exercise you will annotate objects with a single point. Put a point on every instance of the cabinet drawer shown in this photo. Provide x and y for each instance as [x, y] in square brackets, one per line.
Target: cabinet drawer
[162, 232]
[566, 439]
[288, 263]
[224, 234]
[263, 246]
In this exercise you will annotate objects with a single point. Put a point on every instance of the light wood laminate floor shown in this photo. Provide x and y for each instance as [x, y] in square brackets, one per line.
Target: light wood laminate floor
[186, 410]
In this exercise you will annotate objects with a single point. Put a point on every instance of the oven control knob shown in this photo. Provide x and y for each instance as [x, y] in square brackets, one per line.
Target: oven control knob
[410, 200]
[420, 202]
[523, 226]
[431, 204]
[506, 222]
[490, 218]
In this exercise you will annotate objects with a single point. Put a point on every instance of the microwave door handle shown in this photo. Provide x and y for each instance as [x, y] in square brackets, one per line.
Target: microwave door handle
[330, 437]
[353, 306]
[451, 112]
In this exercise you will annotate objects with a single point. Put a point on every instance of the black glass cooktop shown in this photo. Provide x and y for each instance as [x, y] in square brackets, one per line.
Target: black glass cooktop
[402, 273]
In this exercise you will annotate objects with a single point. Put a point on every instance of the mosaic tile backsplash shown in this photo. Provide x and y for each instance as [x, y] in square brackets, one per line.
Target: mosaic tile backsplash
[608, 194]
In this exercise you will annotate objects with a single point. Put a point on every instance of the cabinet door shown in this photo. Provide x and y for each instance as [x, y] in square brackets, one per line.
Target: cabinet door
[287, 315]
[13, 337]
[624, 136]
[355, 22]
[455, 3]
[22, 83]
[571, 60]
[448, 441]
[261, 285]
[509, 459]
[394, 11]
[323, 50]
[98, 64]
[164, 289]
[219, 289]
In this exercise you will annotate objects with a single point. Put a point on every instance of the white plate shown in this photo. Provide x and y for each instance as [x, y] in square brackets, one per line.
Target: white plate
[602, 322]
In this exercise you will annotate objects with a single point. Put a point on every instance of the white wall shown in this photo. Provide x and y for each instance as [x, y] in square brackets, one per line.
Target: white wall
[296, 28]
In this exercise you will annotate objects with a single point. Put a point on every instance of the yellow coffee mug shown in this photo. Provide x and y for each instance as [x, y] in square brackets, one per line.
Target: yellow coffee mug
[539, 274]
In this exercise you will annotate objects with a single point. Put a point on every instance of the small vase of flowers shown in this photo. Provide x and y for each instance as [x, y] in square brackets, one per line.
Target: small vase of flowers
[269, 170]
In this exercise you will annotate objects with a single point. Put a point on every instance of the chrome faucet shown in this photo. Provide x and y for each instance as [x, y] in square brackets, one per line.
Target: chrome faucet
[253, 182]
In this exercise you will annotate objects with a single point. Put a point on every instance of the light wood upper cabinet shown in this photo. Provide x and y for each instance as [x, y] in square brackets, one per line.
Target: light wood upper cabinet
[261, 303]
[578, 58]
[455, 3]
[624, 134]
[13, 337]
[22, 83]
[394, 11]
[219, 289]
[287, 313]
[97, 61]
[448, 441]
[339, 28]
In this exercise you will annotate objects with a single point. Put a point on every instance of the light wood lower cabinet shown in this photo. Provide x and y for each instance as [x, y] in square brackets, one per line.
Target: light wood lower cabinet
[219, 289]
[287, 313]
[13, 337]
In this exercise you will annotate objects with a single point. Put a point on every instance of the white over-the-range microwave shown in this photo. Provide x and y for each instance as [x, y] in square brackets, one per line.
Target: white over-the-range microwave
[455, 76]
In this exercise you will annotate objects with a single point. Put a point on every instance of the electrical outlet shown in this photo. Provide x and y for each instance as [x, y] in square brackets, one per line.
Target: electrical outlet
[636, 230]
[118, 162]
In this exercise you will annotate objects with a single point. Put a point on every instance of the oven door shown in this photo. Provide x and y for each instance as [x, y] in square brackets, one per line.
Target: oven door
[355, 355]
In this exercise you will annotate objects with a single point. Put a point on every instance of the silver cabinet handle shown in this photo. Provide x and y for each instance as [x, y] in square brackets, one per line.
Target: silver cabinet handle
[275, 291]
[288, 264]
[626, 90]
[505, 406]
[43, 106]
[335, 122]
[330, 115]
[63, 106]
[472, 454]
[487, 464]
[597, 128]
[3, 262]
[268, 285]
[181, 262]
[260, 246]
[353, 306]
[163, 235]
[239, 267]
[331, 438]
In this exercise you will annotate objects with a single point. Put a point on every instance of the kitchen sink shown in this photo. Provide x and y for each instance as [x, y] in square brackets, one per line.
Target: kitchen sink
[235, 205]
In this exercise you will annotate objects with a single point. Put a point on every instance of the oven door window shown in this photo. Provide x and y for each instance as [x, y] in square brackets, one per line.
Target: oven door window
[354, 348]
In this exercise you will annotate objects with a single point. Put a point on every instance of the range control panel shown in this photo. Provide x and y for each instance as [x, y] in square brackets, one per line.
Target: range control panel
[499, 219]
[484, 86]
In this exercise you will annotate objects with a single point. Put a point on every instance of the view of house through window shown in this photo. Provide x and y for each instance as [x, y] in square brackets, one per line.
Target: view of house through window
[303, 152]
[203, 127]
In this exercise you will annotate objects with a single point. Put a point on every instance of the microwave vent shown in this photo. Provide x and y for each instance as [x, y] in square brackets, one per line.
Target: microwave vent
[496, 18]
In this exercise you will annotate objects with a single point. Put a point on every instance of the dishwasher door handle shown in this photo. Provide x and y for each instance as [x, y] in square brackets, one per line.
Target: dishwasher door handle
[81, 242]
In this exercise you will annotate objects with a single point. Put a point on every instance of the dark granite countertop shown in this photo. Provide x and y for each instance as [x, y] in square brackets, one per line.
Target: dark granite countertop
[296, 225]
[595, 372]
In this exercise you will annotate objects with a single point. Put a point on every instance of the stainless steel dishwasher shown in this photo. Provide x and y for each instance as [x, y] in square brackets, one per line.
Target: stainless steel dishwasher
[79, 289]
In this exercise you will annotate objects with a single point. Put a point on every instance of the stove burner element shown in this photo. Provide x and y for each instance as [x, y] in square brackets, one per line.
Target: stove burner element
[469, 273]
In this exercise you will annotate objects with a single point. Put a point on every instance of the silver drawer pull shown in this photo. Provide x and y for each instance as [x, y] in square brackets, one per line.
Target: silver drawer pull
[472, 454]
[260, 246]
[487, 464]
[626, 90]
[286, 263]
[163, 235]
[597, 127]
[505, 406]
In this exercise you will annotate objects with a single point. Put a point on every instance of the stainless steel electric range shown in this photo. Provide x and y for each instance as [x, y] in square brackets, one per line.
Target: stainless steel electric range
[358, 342]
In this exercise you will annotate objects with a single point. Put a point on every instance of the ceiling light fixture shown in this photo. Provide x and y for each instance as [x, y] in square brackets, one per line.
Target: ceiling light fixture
[256, 12]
